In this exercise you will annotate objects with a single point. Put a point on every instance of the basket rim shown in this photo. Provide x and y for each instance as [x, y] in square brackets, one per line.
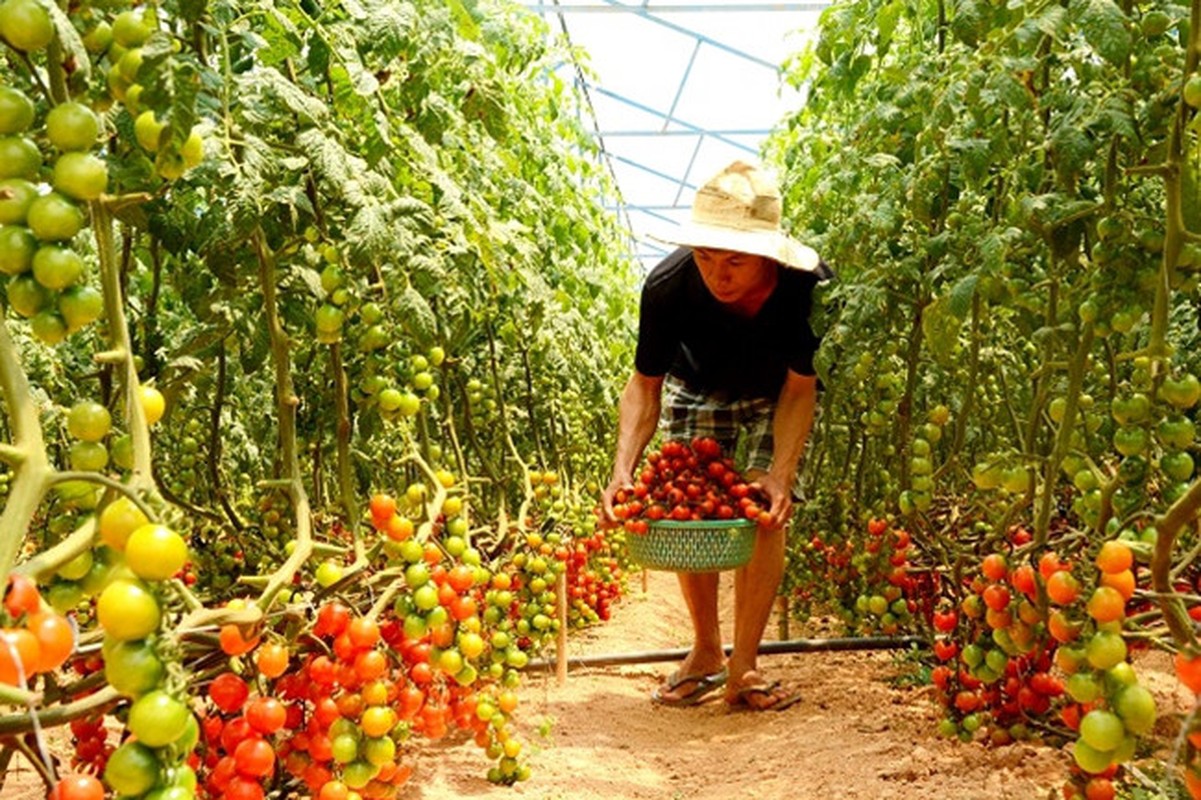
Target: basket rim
[703, 524]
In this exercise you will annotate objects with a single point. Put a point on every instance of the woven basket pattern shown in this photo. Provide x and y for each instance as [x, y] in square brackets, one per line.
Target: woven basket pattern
[704, 546]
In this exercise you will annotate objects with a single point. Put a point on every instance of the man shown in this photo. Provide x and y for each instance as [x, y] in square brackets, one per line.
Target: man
[725, 348]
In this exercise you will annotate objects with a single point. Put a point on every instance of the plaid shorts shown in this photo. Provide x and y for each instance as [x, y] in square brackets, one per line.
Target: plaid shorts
[687, 413]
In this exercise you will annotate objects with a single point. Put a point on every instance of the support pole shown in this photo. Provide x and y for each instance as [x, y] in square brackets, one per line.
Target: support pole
[561, 645]
[765, 648]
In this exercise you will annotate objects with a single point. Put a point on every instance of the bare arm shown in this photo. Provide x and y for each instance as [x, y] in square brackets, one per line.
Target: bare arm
[638, 416]
[790, 431]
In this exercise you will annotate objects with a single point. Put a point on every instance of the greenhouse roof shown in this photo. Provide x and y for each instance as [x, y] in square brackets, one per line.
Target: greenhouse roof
[678, 89]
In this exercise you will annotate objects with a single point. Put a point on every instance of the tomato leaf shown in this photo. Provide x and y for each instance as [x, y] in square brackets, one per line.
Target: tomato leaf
[417, 316]
[69, 38]
[1104, 27]
[959, 299]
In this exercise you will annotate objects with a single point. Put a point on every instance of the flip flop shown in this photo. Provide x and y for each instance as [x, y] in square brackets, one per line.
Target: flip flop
[779, 700]
[703, 686]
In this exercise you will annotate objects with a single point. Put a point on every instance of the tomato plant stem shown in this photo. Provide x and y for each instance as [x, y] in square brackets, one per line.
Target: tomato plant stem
[31, 478]
[13, 725]
[142, 477]
[1063, 439]
[346, 486]
[1183, 511]
[286, 403]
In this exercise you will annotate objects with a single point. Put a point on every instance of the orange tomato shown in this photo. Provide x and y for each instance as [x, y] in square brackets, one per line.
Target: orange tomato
[1115, 556]
[1106, 604]
[1062, 587]
[271, 659]
[20, 655]
[1122, 581]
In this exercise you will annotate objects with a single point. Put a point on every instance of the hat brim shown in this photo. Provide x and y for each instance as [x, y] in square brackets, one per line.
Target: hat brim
[770, 244]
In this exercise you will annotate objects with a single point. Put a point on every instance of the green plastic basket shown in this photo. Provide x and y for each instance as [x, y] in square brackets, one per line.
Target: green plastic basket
[694, 546]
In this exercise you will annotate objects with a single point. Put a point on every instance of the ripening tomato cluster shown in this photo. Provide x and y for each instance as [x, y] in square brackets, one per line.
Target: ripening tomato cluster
[35, 638]
[1109, 707]
[995, 658]
[593, 579]
[683, 481]
[870, 577]
[89, 734]
[337, 722]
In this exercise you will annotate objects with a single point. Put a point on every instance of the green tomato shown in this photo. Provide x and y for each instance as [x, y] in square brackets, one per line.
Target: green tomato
[54, 218]
[27, 26]
[72, 126]
[88, 456]
[81, 176]
[328, 573]
[132, 667]
[132, 770]
[130, 29]
[17, 248]
[16, 110]
[148, 131]
[1136, 707]
[158, 719]
[26, 296]
[19, 158]
[16, 195]
[89, 421]
[80, 306]
[57, 267]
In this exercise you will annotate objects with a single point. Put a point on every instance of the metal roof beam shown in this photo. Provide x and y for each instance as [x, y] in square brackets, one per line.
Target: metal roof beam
[682, 8]
[706, 132]
[648, 13]
[695, 129]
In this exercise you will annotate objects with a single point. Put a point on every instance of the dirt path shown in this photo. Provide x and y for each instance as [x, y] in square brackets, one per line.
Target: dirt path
[854, 736]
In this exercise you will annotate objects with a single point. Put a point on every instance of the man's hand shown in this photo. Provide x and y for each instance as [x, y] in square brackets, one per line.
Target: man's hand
[608, 520]
[779, 494]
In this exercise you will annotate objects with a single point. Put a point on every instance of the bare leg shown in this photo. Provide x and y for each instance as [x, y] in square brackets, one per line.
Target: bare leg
[706, 655]
[755, 587]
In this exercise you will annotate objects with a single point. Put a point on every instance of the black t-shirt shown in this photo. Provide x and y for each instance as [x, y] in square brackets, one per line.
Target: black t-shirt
[686, 332]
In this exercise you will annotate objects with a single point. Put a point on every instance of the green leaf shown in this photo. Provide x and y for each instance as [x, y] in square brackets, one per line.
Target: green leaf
[69, 38]
[940, 330]
[464, 22]
[886, 21]
[969, 22]
[1070, 147]
[1104, 27]
[959, 299]
[282, 39]
[417, 316]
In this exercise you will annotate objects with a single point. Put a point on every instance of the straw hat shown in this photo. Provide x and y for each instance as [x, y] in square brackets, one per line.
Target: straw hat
[739, 209]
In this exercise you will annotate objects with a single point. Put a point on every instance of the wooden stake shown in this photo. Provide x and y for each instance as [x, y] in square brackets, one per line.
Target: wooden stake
[561, 645]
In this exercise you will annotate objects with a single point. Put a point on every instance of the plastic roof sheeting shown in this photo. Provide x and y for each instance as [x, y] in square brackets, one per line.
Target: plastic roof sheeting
[679, 88]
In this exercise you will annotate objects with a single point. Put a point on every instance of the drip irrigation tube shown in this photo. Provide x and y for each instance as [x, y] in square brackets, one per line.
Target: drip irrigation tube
[766, 648]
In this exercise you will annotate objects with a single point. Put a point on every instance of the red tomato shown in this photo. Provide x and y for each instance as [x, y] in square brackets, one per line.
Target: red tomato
[254, 758]
[266, 714]
[228, 692]
[22, 596]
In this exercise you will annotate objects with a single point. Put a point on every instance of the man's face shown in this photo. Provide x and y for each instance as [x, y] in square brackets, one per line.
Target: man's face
[730, 276]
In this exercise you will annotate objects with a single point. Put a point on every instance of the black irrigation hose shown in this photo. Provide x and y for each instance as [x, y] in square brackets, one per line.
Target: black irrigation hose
[766, 648]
